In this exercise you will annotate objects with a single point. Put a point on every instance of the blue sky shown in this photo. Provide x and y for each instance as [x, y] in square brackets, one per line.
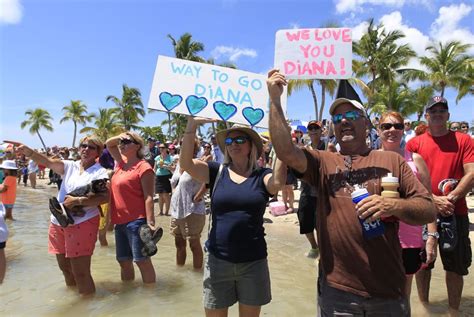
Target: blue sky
[52, 52]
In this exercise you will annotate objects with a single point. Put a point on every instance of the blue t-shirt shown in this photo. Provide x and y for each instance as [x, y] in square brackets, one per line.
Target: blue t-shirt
[237, 233]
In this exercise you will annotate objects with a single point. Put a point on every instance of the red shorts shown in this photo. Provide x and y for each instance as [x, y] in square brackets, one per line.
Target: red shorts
[74, 241]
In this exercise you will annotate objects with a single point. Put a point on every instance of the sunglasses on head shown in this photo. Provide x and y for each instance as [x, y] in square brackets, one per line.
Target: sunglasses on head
[313, 128]
[237, 140]
[351, 115]
[88, 146]
[127, 141]
[434, 111]
[388, 126]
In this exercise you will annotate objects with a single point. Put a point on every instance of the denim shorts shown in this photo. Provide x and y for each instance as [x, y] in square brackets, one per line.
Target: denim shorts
[128, 245]
[9, 206]
[226, 283]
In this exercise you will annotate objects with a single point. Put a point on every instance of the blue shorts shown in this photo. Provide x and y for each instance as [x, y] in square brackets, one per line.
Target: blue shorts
[9, 206]
[225, 283]
[128, 245]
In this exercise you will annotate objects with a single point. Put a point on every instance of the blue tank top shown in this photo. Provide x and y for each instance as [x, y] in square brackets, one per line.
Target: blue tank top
[237, 233]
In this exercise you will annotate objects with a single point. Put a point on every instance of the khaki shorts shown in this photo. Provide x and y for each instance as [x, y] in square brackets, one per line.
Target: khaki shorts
[189, 227]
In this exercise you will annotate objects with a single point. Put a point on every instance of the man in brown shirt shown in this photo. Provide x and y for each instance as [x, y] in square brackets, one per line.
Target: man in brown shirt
[358, 275]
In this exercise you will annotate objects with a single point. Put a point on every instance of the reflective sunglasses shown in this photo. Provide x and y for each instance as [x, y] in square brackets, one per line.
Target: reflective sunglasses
[237, 140]
[351, 115]
[127, 141]
[454, 128]
[388, 126]
[90, 147]
[313, 128]
[440, 111]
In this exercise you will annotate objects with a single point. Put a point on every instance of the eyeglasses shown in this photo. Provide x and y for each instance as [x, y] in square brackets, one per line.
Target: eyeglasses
[351, 115]
[88, 146]
[440, 111]
[127, 141]
[313, 128]
[407, 123]
[237, 140]
[464, 127]
[454, 128]
[162, 148]
[388, 126]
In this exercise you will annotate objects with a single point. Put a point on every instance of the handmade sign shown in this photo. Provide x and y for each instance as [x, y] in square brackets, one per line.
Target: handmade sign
[210, 91]
[314, 53]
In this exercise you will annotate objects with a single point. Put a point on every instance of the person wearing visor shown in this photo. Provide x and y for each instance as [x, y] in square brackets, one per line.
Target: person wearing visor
[236, 268]
[360, 266]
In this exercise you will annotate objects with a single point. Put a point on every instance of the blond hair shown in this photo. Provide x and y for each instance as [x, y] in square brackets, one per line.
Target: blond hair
[252, 164]
[137, 138]
[94, 140]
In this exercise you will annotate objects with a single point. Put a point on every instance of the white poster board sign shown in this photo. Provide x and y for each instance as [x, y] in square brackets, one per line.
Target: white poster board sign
[314, 53]
[209, 91]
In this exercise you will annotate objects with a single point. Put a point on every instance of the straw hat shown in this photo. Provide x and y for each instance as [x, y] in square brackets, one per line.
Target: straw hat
[8, 165]
[256, 139]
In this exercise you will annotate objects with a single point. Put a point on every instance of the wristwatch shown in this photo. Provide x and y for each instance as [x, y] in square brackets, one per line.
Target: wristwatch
[433, 234]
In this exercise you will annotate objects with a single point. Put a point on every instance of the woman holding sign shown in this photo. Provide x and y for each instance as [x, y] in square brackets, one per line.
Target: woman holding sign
[236, 267]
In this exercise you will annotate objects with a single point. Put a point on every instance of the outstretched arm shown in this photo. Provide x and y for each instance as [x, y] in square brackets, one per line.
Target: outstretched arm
[55, 164]
[196, 168]
[285, 150]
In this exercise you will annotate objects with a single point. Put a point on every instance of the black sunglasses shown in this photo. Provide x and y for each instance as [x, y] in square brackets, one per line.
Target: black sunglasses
[85, 146]
[127, 141]
[237, 140]
[388, 126]
[313, 128]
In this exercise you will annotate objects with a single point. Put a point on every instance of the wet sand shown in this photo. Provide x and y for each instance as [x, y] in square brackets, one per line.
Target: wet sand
[34, 286]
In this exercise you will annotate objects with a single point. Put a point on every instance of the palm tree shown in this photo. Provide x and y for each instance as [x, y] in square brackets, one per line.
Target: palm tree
[77, 113]
[177, 124]
[422, 95]
[106, 124]
[130, 110]
[152, 132]
[186, 48]
[38, 118]
[381, 58]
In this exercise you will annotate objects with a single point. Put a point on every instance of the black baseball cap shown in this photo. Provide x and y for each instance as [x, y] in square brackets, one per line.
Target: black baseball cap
[436, 100]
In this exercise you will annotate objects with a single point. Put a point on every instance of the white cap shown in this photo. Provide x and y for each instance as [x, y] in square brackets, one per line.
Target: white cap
[389, 179]
[358, 191]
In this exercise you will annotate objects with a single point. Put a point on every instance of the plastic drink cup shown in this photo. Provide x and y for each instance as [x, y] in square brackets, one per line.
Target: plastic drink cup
[370, 229]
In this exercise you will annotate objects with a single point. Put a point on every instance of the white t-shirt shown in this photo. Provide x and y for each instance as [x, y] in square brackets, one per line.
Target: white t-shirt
[3, 226]
[32, 167]
[72, 179]
[409, 135]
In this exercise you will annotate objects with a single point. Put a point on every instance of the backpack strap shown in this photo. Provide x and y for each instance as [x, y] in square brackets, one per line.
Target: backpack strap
[218, 177]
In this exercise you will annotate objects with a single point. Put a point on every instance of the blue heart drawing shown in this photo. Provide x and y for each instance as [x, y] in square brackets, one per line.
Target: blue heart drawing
[195, 104]
[170, 101]
[253, 116]
[224, 110]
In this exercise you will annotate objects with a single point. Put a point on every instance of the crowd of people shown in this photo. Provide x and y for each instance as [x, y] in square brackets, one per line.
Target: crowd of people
[413, 182]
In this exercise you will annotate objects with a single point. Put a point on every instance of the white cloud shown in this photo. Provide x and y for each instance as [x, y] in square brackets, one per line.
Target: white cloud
[343, 6]
[446, 26]
[413, 37]
[231, 53]
[359, 30]
[11, 11]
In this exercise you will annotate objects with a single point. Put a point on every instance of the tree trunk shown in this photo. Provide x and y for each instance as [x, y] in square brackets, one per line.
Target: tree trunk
[372, 89]
[42, 142]
[213, 128]
[323, 100]
[420, 113]
[442, 90]
[315, 99]
[169, 125]
[74, 136]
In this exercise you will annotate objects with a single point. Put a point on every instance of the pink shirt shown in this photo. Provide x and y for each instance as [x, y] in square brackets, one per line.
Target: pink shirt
[410, 236]
[127, 202]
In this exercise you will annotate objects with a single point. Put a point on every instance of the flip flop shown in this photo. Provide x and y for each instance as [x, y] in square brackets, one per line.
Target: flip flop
[60, 213]
[150, 238]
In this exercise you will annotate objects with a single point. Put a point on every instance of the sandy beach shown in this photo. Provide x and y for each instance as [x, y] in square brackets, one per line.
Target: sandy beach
[34, 285]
